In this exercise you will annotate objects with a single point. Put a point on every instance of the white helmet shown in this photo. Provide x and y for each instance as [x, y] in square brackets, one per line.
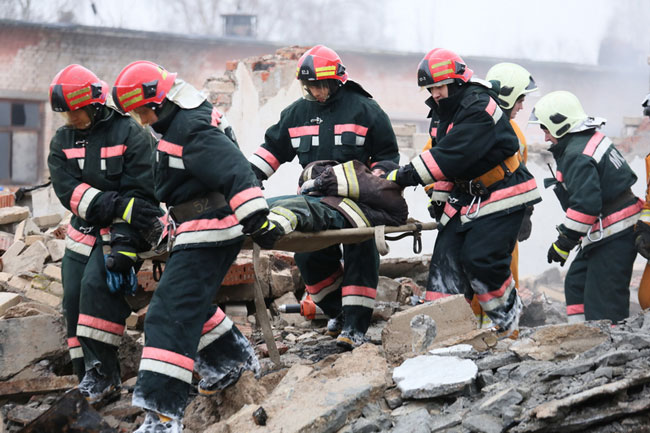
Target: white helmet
[559, 112]
[514, 81]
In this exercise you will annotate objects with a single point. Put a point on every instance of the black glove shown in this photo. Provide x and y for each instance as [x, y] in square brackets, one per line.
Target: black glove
[267, 234]
[120, 272]
[404, 176]
[559, 250]
[138, 212]
[526, 225]
[642, 240]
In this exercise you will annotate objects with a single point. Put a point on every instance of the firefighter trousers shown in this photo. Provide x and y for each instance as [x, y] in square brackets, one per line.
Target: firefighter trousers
[597, 285]
[475, 260]
[182, 325]
[349, 288]
[95, 318]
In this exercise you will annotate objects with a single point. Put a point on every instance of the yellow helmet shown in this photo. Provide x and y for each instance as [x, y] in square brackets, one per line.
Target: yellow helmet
[514, 81]
[559, 112]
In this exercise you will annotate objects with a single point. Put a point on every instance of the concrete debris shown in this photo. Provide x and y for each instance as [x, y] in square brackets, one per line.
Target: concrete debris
[29, 339]
[425, 367]
[29, 260]
[431, 376]
[452, 316]
[13, 214]
[424, 332]
[8, 300]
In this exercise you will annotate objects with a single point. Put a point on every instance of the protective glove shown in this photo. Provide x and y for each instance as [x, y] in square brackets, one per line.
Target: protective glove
[642, 239]
[139, 213]
[404, 176]
[267, 234]
[559, 250]
[120, 272]
[526, 225]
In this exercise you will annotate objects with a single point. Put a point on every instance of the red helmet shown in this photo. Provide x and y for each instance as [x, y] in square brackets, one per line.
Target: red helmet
[321, 63]
[442, 66]
[75, 87]
[142, 83]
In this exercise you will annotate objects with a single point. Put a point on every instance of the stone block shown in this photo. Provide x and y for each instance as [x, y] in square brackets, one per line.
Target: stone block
[387, 290]
[5, 277]
[39, 282]
[282, 281]
[19, 231]
[13, 251]
[18, 284]
[13, 214]
[26, 309]
[56, 247]
[6, 239]
[28, 339]
[8, 300]
[53, 272]
[32, 239]
[432, 376]
[30, 260]
[452, 315]
[47, 221]
[42, 297]
[31, 228]
[56, 289]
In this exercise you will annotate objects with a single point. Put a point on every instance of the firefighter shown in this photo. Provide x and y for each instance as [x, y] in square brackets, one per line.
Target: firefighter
[592, 183]
[100, 167]
[513, 83]
[476, 152]
[335, 120]
[212, 197]
[642, 229]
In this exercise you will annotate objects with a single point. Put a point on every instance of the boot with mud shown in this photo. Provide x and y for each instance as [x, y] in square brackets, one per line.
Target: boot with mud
[96, 387]
[156, 423]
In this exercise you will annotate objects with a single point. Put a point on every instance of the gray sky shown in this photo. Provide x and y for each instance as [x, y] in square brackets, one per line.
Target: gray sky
[552, 30]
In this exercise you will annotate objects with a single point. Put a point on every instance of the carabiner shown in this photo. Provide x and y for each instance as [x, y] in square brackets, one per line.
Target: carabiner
[600, 223]
[171, 229]
[478, 208]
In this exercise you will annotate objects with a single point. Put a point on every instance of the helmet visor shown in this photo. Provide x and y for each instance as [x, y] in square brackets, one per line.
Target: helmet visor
[531, 87]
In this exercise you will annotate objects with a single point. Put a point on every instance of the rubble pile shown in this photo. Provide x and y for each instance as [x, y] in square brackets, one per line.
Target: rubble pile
[425, 367]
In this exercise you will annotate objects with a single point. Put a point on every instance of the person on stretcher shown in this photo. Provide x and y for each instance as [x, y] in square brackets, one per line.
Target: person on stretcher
[335, 196]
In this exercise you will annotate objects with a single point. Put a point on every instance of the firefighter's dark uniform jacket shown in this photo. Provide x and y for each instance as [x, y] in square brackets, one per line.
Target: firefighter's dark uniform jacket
[350, 125]
[472, 137]
[208, 187]
[194, 161]
[113, 156]
[593, 185]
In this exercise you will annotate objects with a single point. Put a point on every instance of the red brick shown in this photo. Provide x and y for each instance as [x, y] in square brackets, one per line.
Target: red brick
[146, 281]
[7, 199]
[239, 274]
[60, 232]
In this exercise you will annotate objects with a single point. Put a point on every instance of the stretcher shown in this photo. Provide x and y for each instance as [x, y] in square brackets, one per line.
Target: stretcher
[313, 241]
